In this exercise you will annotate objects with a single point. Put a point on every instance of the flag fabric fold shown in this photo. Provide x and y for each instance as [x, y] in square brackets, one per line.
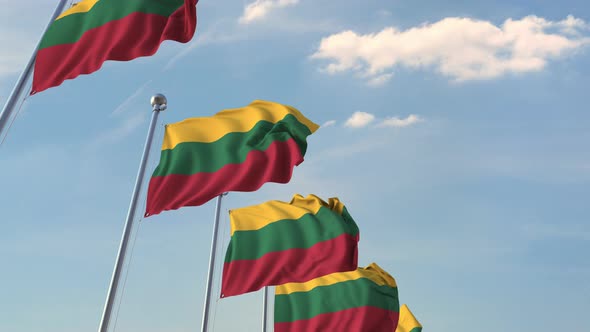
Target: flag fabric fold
[235, 150]
[357, 301]
[407, 321]
[83, 37]
[278, 242]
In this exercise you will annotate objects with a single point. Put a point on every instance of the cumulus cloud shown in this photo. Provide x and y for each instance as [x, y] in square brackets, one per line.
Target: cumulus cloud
[459, 48]
[259, 9]
[359, 120]
[572, 25]
[399, 123]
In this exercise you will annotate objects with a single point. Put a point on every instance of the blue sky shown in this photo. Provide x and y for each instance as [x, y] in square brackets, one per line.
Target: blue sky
[456, 133]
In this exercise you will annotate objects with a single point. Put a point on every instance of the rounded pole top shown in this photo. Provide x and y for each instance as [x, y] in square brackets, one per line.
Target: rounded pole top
[159, 102]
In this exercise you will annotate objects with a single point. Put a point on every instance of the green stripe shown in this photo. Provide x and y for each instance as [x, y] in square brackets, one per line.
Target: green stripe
[416, 329]
[196, 157]
[69, 29]
[341, 296]
[287, 234]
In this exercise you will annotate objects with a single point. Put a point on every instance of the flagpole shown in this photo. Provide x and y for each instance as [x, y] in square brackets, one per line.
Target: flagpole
[265, 309]
[208, 290]
[12, 101]
[159, 103]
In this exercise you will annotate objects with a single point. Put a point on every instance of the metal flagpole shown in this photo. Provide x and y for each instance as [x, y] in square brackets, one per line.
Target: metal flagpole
[159, 103]
[265, 309]
[205, 322]
[24, 77]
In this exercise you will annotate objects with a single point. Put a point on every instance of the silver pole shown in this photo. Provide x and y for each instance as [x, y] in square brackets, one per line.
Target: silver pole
[11, 103]
[159, 103]
[205, 322]
[265, 309]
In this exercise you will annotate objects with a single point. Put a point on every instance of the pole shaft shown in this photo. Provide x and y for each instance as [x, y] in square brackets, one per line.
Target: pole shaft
[12, 101]
[265, 309]
[208, 291]
[108, 308]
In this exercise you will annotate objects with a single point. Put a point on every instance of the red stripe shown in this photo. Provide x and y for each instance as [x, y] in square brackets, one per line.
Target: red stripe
[175, 191]
[363, 319]
[133, 36]
[294, 265]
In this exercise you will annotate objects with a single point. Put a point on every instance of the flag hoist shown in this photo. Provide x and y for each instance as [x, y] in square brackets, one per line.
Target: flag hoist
[237, 149]
[159, 104]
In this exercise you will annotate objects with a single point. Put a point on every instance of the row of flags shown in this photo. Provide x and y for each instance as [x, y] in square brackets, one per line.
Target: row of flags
[307, 247]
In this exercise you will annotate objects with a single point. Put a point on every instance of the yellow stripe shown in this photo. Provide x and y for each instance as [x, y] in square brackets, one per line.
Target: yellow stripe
[372, 272]
[407, 321]
[210, 129]
[255, 217]
[80, 7]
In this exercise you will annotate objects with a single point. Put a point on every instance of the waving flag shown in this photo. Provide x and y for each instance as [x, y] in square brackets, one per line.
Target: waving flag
[357, 301]
[235, 150]
[279, 242]
[81, 39]
[407, 321]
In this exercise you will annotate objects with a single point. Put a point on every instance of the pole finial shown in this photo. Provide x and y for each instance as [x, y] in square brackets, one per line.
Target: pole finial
[159, 102]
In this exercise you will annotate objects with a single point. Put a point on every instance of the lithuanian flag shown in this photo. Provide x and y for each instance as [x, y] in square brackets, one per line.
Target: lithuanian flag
[82, 38]
[235, 150]
[407, 321]
[357, 301]
[278, 242]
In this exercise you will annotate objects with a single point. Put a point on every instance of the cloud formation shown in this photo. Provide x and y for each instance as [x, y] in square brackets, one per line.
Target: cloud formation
[399, 123]
[459, 48]
[359, 120]
[363, 119]
[259, 9]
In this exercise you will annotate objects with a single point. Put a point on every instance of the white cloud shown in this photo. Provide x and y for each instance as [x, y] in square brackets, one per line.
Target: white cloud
[398, 123]
[328, 123]
[259, 9]
[572, 25]
[227, 31]
[459, 48]
[359, 120]
[363, 119]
